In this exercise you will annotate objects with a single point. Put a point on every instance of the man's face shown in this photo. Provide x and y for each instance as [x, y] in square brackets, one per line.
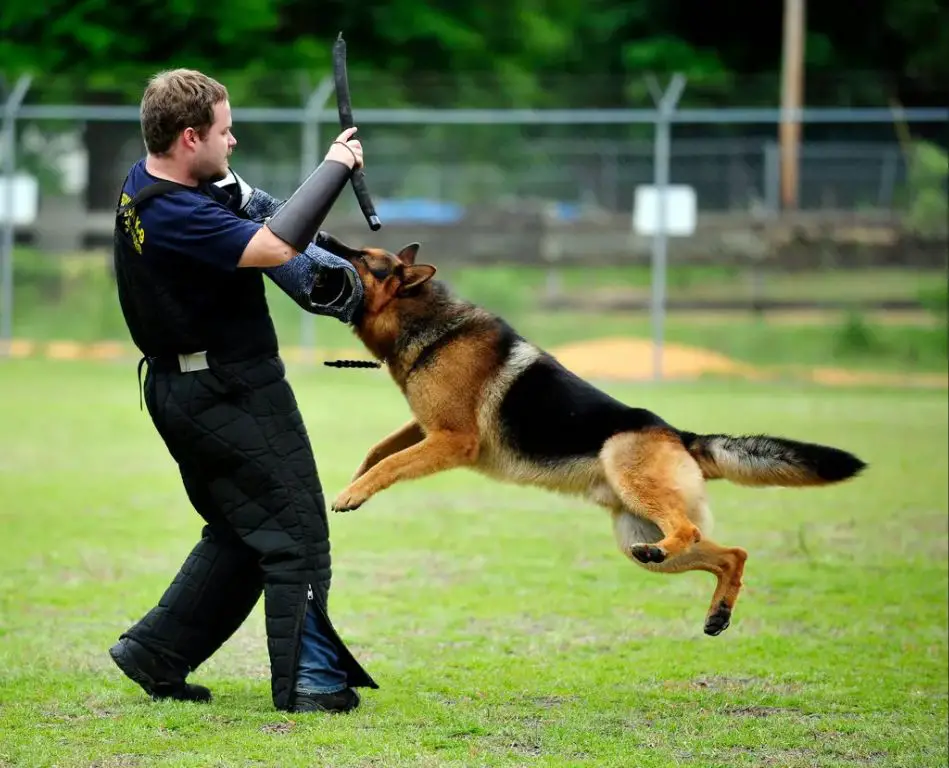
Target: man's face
[211, 152]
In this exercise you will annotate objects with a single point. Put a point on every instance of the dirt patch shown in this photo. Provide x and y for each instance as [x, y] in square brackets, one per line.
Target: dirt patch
[758, 711]
[278, 728]
[737, 685]
[631, 359]
[848, 377]
[118, 761]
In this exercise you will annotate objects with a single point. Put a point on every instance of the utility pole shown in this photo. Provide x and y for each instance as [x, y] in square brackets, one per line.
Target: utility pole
[792, 92]
[666, 102]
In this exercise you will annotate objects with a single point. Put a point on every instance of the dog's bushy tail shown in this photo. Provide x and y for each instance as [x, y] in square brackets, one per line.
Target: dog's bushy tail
[763, 460]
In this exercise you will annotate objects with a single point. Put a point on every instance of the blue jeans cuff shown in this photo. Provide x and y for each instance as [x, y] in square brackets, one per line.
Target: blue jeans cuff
[316, 690]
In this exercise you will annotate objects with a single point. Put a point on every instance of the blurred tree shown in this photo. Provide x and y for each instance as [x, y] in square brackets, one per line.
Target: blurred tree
[502, 49]
[519, 53]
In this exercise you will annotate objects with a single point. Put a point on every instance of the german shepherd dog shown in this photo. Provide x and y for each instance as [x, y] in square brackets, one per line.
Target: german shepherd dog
[485, 398]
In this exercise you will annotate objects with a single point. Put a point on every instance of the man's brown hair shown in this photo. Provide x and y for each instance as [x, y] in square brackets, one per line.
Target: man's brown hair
[174, 100]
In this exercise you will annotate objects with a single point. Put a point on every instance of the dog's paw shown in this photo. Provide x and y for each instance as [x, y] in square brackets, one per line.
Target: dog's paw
[718, 621]
[648, 553]
[348, 500]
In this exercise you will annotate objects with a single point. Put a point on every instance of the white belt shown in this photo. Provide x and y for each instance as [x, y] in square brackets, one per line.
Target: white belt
[196, 361]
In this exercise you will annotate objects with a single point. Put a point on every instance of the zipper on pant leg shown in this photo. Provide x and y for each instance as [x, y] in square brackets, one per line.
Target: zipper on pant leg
[294, 670]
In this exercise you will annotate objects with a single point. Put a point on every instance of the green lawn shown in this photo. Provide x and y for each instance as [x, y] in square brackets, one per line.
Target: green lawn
[503, 626]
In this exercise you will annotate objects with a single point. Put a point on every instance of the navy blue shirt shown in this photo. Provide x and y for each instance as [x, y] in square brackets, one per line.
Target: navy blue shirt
[189, 223]
[177, 276]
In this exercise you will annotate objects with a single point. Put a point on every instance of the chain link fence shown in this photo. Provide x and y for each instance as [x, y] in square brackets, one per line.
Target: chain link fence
[495, 185]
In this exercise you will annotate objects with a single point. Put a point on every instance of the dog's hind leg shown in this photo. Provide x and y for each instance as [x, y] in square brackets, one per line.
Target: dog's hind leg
[656, 478]
[727, 564]
[665, 516]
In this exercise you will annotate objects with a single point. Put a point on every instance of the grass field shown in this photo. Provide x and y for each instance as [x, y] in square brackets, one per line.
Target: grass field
[501, 622]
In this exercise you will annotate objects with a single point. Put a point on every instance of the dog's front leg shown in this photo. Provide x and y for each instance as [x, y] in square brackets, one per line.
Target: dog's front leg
[404, 437]
[437, 452]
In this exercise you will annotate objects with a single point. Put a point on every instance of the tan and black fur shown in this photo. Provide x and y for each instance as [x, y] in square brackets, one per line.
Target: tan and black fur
[485, 398]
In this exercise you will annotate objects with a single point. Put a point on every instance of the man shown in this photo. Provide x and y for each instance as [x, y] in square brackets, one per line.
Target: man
[193, 244]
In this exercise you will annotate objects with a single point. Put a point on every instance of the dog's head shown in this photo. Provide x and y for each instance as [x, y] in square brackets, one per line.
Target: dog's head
[391, 277]
[387, 278]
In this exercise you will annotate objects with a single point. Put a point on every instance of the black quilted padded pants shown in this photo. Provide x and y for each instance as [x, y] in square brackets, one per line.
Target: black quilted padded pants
[248, 469]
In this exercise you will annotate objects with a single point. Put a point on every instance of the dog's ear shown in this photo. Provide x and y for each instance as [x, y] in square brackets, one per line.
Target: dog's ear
[414, 276]
[408, 253]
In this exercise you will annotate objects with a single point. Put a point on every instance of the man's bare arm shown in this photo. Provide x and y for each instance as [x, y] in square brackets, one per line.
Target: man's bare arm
[265, 249]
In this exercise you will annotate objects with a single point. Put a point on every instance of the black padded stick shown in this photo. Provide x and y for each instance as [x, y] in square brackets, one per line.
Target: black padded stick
[344, 105]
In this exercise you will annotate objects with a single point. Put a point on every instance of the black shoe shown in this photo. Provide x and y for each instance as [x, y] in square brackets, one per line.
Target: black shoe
[345, 700]
[158, 678]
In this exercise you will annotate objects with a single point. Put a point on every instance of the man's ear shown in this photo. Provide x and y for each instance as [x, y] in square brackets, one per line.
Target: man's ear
[408, 253]
[414, 276]
[189, 137]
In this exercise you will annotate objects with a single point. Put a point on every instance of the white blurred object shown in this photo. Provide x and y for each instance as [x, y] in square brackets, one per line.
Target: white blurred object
[25, 199]
[681, 210]
[74, 167]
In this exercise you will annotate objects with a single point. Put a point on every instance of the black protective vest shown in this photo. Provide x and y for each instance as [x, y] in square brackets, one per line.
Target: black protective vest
[174, 304]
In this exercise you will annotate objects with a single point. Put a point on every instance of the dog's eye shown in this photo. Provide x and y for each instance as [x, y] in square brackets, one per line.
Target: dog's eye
[380, 273]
